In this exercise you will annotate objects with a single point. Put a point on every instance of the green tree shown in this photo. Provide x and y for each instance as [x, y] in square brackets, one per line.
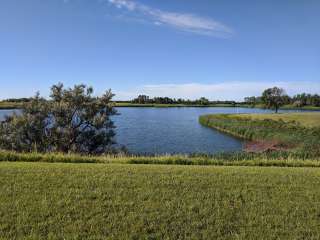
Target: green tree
[203, 101]
[274, 98]
[71, 121]
[141, 99]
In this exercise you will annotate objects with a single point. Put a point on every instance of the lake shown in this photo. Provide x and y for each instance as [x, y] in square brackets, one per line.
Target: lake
[171, 130]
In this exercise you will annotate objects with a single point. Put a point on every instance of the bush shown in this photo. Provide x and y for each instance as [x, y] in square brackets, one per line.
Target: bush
[71, 121]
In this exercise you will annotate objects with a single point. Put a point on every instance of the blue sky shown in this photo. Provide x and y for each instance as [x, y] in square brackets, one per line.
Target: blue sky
[218, 49]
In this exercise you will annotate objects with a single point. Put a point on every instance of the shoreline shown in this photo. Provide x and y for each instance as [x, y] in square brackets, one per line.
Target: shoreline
[11, 106]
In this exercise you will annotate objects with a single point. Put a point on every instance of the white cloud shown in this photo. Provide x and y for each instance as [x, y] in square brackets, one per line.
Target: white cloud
[218, 91]
[182, 21]
[124, 4]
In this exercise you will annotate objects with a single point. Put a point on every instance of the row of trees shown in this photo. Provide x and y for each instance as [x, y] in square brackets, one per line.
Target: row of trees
[144, 99]
[305, 99]
[299, 100]
[18, 100]
[272, 98]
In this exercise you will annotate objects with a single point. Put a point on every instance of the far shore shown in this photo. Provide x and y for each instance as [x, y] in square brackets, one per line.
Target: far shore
[14, 105]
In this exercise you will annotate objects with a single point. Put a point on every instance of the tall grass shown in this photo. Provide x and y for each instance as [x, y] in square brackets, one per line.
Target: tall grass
[280, 159]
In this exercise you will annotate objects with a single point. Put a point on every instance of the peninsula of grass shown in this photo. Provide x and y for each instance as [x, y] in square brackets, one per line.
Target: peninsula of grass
[112, 201]
[305, 119]
[294, 132]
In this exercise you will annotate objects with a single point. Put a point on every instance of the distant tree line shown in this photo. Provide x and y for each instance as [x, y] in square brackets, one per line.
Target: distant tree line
[305, 99]
[272, 98]
[299, 100]
[144, 99]
[18, 100]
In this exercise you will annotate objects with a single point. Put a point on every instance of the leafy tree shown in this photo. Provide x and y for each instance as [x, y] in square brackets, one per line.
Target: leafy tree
[26, 131]
[141, 99]
[203, 101]
[274, 98]
[316, 100]
[71, 121]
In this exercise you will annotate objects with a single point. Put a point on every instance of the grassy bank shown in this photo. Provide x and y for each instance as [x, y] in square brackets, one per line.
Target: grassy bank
[10, 105]
[94, 201]
[299, 132]
[308, 108]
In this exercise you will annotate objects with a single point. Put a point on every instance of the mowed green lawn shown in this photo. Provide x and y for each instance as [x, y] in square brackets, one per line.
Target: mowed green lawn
[306, 119]
[99, 201]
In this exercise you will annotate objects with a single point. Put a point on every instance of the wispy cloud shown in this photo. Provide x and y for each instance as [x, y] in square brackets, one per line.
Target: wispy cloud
[183, 21]
[218, 91]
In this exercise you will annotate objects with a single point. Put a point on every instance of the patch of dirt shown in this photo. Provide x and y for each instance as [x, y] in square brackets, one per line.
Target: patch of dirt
[265, 146]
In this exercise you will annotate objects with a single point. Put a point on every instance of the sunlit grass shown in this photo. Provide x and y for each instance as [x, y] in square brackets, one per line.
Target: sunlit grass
[99, 201]
[307, 119]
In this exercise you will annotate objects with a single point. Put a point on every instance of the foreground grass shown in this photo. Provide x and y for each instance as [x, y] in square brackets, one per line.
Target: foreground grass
[96, 201]
[299, 132]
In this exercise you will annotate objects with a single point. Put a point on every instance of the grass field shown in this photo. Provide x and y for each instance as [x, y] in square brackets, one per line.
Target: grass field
[94, 201]
[306, 119]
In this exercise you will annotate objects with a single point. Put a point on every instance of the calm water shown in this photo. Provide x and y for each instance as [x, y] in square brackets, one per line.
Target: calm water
[171, 130]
